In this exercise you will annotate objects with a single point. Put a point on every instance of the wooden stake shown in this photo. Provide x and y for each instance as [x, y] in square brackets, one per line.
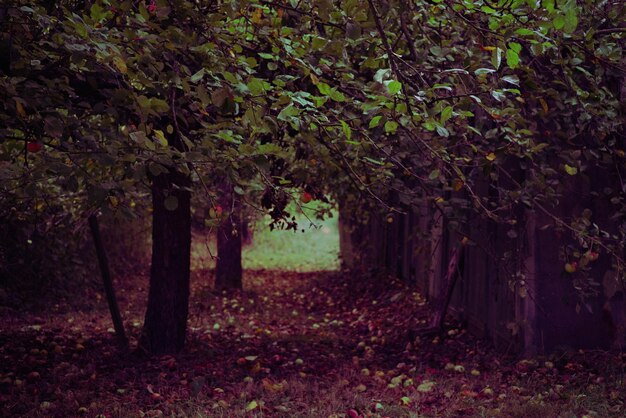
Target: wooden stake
[107, 282]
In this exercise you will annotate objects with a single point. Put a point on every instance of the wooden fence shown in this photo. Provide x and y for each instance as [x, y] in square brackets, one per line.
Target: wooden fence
[513, 288]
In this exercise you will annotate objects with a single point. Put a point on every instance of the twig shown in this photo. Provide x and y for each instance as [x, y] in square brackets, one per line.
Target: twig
[390, 54]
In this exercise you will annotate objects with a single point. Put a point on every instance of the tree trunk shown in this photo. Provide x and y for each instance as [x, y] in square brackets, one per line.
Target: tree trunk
[107, 282]
[166, 317]
[228, 270]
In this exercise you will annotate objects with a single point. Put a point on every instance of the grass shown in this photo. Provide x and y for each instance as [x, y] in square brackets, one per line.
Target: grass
[313, 247]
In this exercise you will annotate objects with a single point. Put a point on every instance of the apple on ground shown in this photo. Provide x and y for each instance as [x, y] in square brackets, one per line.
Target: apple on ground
[33, 147]
[571, 267]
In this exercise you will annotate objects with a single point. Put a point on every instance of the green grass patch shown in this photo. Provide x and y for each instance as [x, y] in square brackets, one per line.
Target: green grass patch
[313, 247]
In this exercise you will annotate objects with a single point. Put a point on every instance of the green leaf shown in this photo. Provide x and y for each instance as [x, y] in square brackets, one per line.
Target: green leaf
[375, 121]
[171, 203]
[430, 125]
[318, 43]
[337, 95]
[496, 58]
[481, 71]
[197, 76]
[511, 79]
[571, 19]
[347, 131]
[558, 22]
[391, 126]
[257, 86]
[230, 77]
[512, 56]
[251, 406]
[97, 12]
[515, 46]
[434, 174]
[442, 131]
[426, 386]
[446, 114]
[287, 113]
[572, 171]
[159, 105]
[323, 88]
[498, 95]
[373, 161]
[394, 87]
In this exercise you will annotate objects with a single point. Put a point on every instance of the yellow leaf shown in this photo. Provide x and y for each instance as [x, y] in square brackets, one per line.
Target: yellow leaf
[314, 79]
[160, 137]
[544, 104]
[571, 170]
[457, 184]
[269, 386]
[20, 109]
[491, 156]
[120, 64]
[257, 16]
[252, 405]
[256, 368]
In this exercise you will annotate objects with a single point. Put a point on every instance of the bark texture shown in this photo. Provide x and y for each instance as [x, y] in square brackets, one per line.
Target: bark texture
[166, 317]
[228, 269]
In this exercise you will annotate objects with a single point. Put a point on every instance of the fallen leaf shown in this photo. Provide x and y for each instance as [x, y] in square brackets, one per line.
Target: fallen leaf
[251, 406]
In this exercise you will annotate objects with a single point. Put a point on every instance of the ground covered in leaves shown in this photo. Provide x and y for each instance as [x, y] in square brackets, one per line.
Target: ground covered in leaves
[291, 345]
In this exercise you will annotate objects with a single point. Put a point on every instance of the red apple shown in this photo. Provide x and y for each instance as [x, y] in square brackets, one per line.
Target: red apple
[352, 413]
[33, 147]
[306, 197]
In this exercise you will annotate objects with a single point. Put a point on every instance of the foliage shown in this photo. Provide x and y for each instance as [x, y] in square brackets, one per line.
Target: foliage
[398, 102]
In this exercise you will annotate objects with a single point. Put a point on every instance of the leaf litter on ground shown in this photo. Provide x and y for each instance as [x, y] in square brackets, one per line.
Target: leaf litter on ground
[317, 344]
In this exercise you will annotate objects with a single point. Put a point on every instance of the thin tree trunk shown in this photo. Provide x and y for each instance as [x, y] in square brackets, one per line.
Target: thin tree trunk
[166, 317]
[441, 304]
[107, 282]
[228, 269]
[454, 268]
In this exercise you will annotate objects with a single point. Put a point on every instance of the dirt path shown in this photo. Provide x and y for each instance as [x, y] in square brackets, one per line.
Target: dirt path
[291, 345]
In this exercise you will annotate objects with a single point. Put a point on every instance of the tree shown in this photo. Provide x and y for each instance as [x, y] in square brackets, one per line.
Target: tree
[165, 324]
[228, 268]
[360, 100]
